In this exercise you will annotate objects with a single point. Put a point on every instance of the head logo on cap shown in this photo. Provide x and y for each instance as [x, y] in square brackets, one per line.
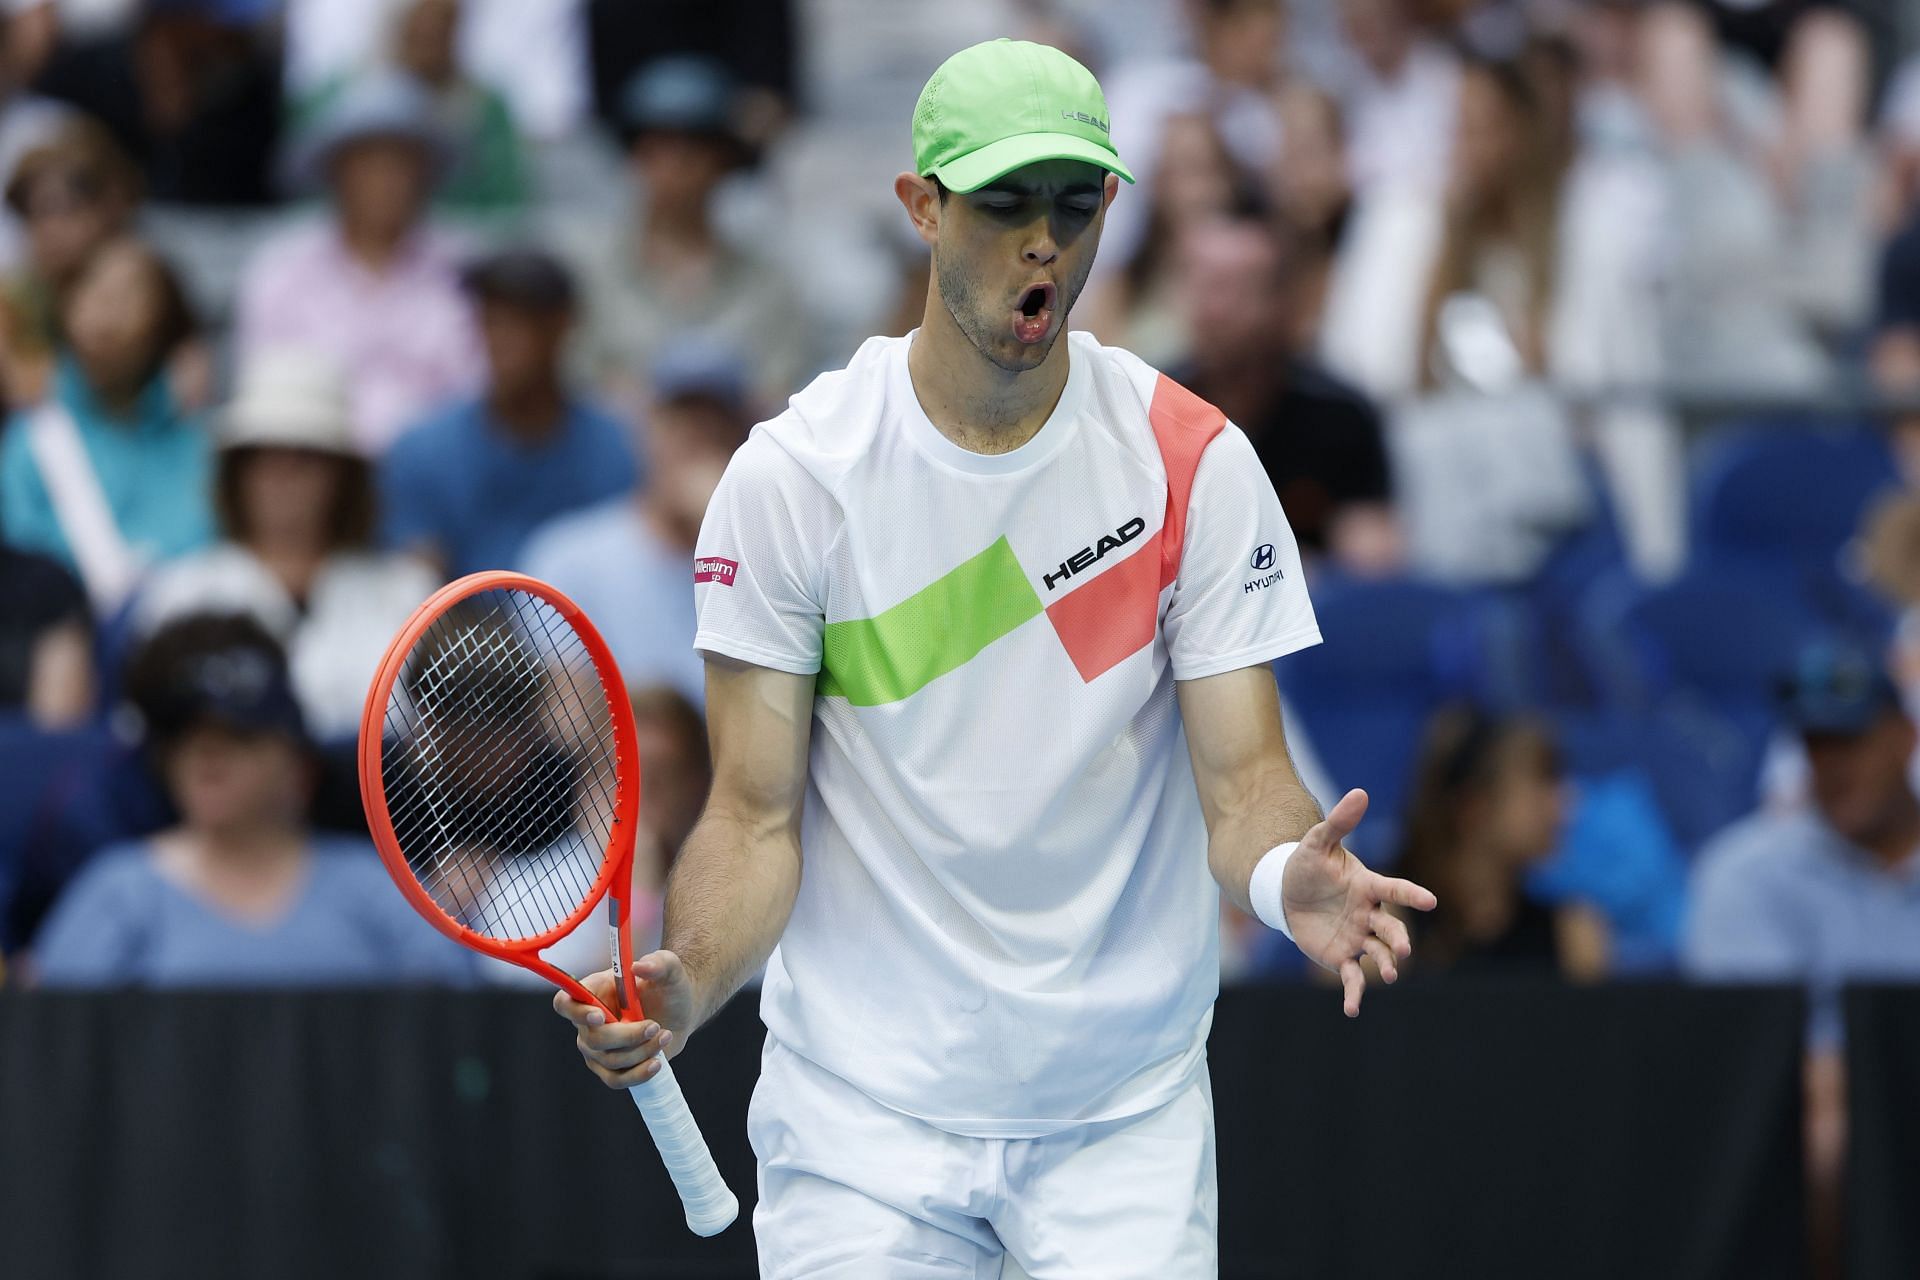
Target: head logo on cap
[994, 107]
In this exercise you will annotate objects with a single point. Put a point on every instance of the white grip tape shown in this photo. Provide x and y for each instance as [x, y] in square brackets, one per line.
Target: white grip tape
[710, 1206]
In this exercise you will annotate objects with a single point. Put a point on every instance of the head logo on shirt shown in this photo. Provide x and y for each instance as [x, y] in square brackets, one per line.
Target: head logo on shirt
[1101, 620]
[715, 569]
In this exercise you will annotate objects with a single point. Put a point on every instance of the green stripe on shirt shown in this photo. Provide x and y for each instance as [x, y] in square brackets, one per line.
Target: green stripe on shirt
[871, 661]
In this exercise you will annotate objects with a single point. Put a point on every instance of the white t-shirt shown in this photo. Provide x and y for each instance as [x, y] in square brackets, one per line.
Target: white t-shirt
[1005, 924]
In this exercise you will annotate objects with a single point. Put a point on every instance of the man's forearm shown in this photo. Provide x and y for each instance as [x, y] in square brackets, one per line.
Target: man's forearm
[1274, 808]
[728, 899]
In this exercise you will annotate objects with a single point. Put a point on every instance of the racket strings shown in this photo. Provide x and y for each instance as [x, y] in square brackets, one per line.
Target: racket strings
[481, 666]
[500, 766]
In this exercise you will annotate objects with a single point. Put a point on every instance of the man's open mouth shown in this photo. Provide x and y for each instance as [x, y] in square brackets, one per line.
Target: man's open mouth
[1034, 314]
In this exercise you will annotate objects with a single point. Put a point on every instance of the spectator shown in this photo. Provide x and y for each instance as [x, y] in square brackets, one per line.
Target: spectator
[676, 767]
[1900, 144]
[533, 51]
[762, 43]
[671, 272]
[465, 487]
[27, 122]
[1489, 802]
[46, 642]
[1559, 242]
[488, 177]
[1229, 81]
[1501, 231]
[1829, 892]
[628, 563]
[241, 893]
[1400, 97]
[373, 286]
[296, 511]
[1888, 557]
[108, 476]
[1826, 894]
[1893, 356]
[675, 771]
[1196, 180]
[1309, 192]
[72, 194]
[1533, 271]
[1319, 438]
[1768, 237]
[190, 86]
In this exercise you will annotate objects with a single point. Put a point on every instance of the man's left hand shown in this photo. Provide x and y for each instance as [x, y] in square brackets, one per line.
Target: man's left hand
[1337, 909]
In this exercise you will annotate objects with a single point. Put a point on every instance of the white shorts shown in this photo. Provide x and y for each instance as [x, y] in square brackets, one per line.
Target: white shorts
[852, 1189]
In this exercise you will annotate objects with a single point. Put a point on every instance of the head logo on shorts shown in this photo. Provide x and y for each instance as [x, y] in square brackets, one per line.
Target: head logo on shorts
[715, 569]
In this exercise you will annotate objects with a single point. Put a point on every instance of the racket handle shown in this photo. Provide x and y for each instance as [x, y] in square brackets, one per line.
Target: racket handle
[710, 1206]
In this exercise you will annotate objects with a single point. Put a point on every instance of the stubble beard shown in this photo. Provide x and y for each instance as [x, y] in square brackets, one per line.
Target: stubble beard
[960, 292]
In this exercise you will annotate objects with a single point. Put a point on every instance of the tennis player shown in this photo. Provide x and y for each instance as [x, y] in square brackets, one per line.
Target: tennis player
[987, 618]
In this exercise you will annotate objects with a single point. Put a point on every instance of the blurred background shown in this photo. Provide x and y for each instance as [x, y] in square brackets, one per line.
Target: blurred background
[1580, 338]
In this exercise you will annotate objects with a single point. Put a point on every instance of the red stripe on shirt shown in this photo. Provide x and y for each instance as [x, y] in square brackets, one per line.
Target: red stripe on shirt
[1183, 426]
[1114, 616]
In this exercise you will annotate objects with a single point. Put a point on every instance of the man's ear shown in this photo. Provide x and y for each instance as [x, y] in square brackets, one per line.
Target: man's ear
[919, 198]
[1112, 185]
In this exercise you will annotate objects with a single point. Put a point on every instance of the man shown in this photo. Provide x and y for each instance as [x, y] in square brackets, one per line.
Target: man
[1028, 590]
[1894, 356]
[1822, 895]
[625, 560]
[468, 485]
[424, 39]
[669, 271]
[1319, 439]
[373, 286]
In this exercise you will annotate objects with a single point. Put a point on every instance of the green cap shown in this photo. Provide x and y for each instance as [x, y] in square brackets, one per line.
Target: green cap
[996, 106]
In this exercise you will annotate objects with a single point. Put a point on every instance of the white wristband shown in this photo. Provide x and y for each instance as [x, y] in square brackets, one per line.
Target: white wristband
[1264, 889]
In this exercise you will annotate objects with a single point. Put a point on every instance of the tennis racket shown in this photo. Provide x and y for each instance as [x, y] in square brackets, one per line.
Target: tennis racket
[500, 773]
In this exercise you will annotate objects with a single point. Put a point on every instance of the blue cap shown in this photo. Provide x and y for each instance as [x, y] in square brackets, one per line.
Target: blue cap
[240, 686]
[1837, 688]
[378, 104]
[684, 92]
[700, 367]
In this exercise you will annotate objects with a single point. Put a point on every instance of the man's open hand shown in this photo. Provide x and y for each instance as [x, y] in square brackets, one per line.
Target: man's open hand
[1337, 909]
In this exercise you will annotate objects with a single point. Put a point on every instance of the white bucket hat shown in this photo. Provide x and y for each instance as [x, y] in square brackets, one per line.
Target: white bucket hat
[289, 398]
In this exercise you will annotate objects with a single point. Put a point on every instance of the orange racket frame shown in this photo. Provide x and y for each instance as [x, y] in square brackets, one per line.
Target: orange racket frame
[615, 876]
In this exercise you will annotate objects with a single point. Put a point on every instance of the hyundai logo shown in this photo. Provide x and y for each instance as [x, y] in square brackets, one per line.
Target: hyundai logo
[1263, 556]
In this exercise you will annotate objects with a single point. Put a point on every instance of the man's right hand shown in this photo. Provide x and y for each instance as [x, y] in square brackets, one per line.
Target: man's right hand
[624, 1054]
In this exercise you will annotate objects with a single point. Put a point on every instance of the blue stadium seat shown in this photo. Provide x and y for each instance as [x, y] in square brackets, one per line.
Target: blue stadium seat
[1589, 559]
[31, 761]
[1394, 652]
[1694, 668]
[1785, 499]
[1725, 634]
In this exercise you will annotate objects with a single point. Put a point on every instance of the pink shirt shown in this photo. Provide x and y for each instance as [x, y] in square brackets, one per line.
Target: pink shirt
[405, 337]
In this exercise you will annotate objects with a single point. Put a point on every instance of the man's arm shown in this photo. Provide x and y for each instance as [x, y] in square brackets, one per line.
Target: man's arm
[1251, 795]
[733, 884]
[1253, 801]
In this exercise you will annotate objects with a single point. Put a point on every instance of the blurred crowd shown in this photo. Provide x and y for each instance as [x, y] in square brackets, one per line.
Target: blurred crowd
[1580, 338]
